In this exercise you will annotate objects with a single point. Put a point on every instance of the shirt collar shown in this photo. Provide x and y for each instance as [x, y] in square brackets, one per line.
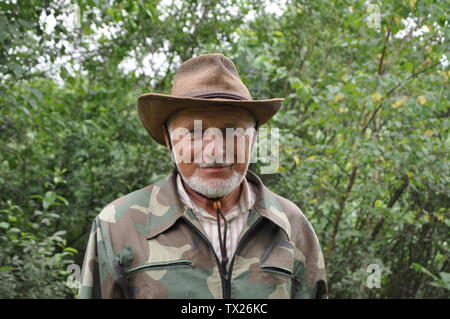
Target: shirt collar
[245, 202]
[165, 205]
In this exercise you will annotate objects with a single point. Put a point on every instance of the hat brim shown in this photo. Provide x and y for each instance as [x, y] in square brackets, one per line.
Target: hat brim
[155, 109]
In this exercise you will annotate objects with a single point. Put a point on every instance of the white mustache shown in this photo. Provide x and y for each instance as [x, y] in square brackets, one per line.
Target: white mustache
[206, 165]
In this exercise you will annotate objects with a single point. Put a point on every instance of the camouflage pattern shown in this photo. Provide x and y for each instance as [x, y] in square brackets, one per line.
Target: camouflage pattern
[147, 244]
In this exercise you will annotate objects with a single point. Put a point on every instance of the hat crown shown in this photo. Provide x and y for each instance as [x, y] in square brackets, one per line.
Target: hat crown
[209, 76]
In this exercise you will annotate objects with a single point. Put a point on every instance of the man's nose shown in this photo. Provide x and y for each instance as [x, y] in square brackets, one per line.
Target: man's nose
[216, 148]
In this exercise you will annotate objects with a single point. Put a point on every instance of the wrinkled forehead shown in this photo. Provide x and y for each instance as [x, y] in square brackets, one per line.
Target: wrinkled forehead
[217, 116]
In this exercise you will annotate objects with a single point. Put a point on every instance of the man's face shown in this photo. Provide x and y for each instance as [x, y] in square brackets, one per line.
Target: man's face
[213, 153]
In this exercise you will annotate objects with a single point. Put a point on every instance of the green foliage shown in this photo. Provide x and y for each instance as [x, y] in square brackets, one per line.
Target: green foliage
[364, 127]
[34, 255]
[443, 281]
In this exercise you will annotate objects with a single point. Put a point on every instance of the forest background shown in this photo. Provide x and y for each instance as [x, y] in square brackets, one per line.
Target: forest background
[364, 129]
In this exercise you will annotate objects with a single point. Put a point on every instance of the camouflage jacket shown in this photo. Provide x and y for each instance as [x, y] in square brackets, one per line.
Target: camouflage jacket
[147, 244]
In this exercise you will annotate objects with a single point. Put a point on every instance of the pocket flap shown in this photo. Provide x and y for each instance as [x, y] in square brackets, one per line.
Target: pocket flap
[160, 265]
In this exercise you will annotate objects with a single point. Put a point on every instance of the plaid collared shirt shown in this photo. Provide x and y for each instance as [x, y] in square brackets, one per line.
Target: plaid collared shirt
[236, 217]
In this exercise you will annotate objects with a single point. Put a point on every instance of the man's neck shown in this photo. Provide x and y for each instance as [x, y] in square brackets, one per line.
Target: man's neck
[227, 202]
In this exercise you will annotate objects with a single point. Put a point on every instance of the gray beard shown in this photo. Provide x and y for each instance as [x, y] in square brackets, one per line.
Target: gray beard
[216, 188]
[213, 189]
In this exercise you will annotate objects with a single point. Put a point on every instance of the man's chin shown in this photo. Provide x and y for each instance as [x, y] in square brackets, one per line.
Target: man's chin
[215, 183]
[213, 188]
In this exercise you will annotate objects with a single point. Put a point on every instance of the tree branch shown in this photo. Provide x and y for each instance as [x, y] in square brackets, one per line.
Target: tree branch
[389, 93]
[380, 65]
[342, 202]
[397, 194]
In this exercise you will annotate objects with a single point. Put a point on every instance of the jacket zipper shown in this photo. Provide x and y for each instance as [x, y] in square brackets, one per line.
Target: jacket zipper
[222, 272]
[228, 281]
[163, 265]
[224, 275]
[281, 271]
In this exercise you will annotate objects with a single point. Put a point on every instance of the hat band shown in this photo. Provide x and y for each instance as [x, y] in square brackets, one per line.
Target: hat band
[220, 95]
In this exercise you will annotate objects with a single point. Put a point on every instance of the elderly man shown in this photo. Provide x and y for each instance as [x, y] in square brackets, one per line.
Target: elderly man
[211, 229]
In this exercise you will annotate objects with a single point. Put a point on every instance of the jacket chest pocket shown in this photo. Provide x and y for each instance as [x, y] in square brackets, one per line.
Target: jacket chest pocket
[281, 280]
[278, 263]
[159, 280]
[159, 266]
[163, 271]
[280, 271]
[163, 258]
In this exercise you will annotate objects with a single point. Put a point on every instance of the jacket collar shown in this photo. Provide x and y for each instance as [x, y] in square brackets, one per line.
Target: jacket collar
[166, 208]
[268, 206]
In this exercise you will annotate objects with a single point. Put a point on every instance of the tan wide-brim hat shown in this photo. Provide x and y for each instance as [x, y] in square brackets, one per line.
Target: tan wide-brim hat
[203, 81]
